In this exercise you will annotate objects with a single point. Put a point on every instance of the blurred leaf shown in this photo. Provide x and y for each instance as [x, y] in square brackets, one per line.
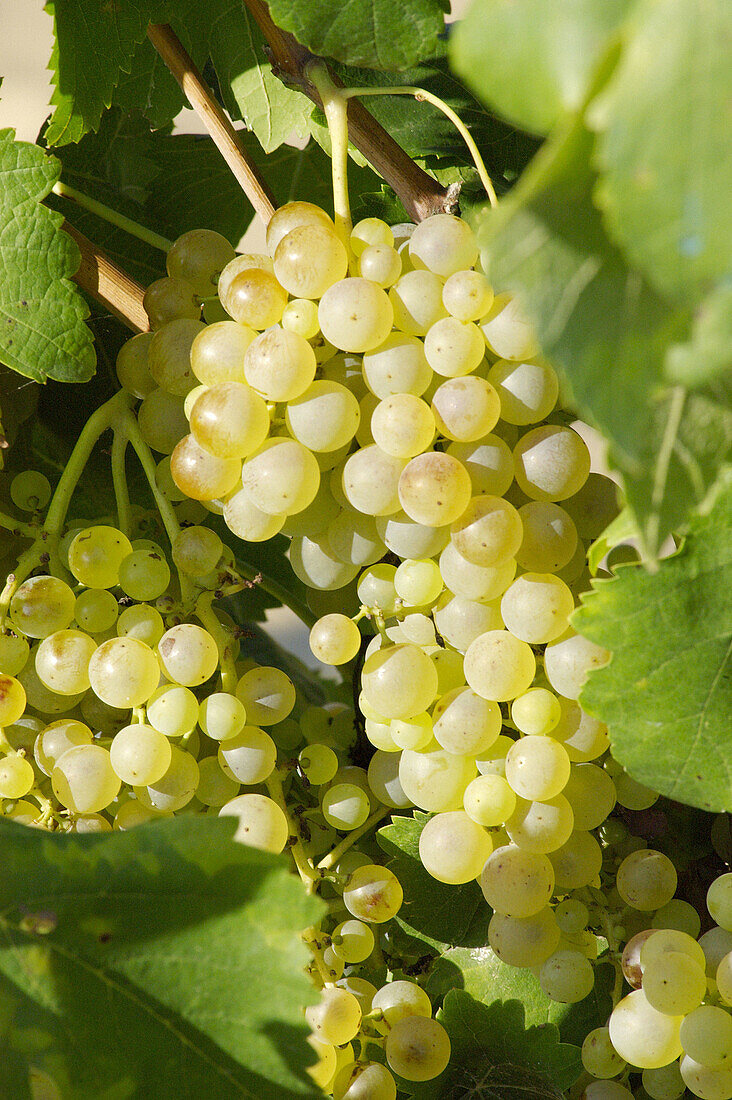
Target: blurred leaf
[708, 354]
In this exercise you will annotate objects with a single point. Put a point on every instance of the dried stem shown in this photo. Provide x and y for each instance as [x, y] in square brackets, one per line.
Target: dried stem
[110, 285]
[421, 195]
[202, 100]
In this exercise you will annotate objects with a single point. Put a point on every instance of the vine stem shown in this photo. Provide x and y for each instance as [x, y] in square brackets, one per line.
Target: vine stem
[208, 619]
[660, 477]
[422, 94]
[66, 191]
[119, 482]
[112, 287]
[18, 526]
[279, 592]
[202, 100]
[336, 114]
[332, 858]
[304, 866]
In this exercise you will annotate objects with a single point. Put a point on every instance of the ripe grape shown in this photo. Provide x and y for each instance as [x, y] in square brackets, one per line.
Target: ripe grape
[262, 824]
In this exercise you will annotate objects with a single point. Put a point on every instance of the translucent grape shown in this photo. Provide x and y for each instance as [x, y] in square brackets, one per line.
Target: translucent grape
[453, 848]
[230, 420]
[290, 216]
[335, 639]
[30, 490]
[569, 659]
[162, 421]
[475, 582]
[198, 256]
[418, 582]
[345, 806]
[324, 417]
[381, 264]
[646, 879]
[96, 610]
[254, 297]
[124, 672]
[465, 723]
[584, 737]
[140, 754]
[188, 654]
[371, 480]
[357, 1081]
[268, 695]
[416, 299]
[515, 882]
[706, 1036]
[489, 463]
[537, 768]
[674, 984]
[309, 259]
[489, 800]
[443, 244]
[435, 780]
[12, 692]
[383, 776]
[408, 539]
[84, 780]
[196, 550]
[577, 861]
[537, 712]
[314, 562]
[96, 554]
[643, 1036]
[281, 477]
[567, 976]
[168, 299]
[354, 540]
[279, 364]
[16, 777]
[506, 330]
[247, 521]
[337, 1016]
[434, 489]
[169, 356]
[467, 295]
[355, 315]
[524, 941]
[454, 348]
[217, 353]
[536, 607]
[14, 650]
[144, 575]
[262, 824]
[373, 894]
[62, 662]
[594, 506]
[177, 786]
[460, 621]
[591, 793]
[527, 391]
[499, 666]
[398, 365]
[719, 901]
[200, 474]
[465, 409]
[551, 463]
[399, 681]
[142, 622]
[599, 1056]
[403, 425]
[215, 788]
[56, 738]
[549, 537]
[301, 316]
[541, 826]
[488, 531]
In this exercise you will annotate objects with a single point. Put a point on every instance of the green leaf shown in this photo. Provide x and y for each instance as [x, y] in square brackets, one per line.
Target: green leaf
[708, 354]
[496, 1057]
[377, 34]
[433, 912]
[533, 60]
[156, 956]
[609, 331]
[149, 86]
[620, 530]
[666, 179]
[666, 693]
[42, 330]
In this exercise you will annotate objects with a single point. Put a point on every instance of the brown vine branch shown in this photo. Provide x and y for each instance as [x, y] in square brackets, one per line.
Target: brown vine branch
[421, 195]
[109, 284]
[202, 100]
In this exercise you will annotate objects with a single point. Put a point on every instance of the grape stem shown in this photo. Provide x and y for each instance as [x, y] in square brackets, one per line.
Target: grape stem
[66, 191]
[278, 592]
[18, 526]
[208, 619]
[119, 482]
[336, 112]
[202, 100]
[355, 835]
[422, 95]
[302, 863]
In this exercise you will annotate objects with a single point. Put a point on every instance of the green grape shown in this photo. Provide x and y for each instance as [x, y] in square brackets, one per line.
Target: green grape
[254, 297]
[399, 999]
[551, 463]
[467, 295]
[131, 814]
[249, 757]
[345, 806]
[599, 1056]
[352, 941]
[62, 662]
[124, 672]
[418, 582]
[336, 1018]
[162, 421]
[370, 231]
[489, 800]
[465, 723]
[222, 716]
[14, 650]
[217, 353]
[267, 693]
[169, 299]
[527, 391]
[282, 476]
[537, 768]
[364, 1081]
[96, 610]
[23, 734]
[230, 420]
[301, 316]
[399, 681]
[706, 1036]
[524, 941]
[453, 848]
[549, 537]
[443, 244]
[196, 551]
[411, 733]
[664, 1083]
[198, 256]
[435, 780]
[465, 409]
[215, 788]
[676, 914]
[434, 489]
[376, 588]
[643, 1036]
[454, 348]
[140, 754]
[144, 575]
[537, 712]
[572, 916]
[674, 984]
[13, 697]
[460, 620]
[169, 356]
[53, 741]
[262, 824]
[536, 607]
[515, 882]
[362, 990]
[371, 480]
[541, 826]
[309, 259]
[498, 666]
[173, 710]
[42, 605]
[507, 332]
[279, 365]
[200, 474]
[41, 698]
[30, 491]
[416, 300]
[142, 622]
[16, 776]
[188, 654]
[646, 879]
[398, 365]
[314, 562]
[177, 786]
[90, 823]
[719, 901]
[380, 264]
[373, 894]
[567, 977]
[402, 425]
[417, 1048]
[96, 554]
[591, 793]
[324, 417]
[315, 519]
[383, 777]
[489, 463]
[324, 1069]
[101, 717]
[291, 216]
[488, 532]
[318, 763]
[133, 372]
[606, 1090]
[355, 315]
[24, 813]
[353, 538]
[84, 780]
[584, 737]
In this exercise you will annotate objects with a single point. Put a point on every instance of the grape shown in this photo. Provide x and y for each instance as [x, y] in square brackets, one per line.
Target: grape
[403, 425]
[217, 353]
[370, 231]
[606, 1090]
[524, 941]
[317, 517]
[230, 420]
[475, 582]
[141, 622]
[536, 607]
[572, 916]
[515, 882]
[418, 582]
[643, 1036]
[291, 216]
[324, 417]
[408, 539]
[399, 681]
[281, 476]
[16, 777]
[417, 1048]
[95, 556]
[200, 474]
[221, 715]
[527, 391]
[371, 481]
[398, 999]
[56, 738]
[454, 348]
[719, 901]
[254, 297]
[507, 332]
[664, 1083]
[84, 780]
[435, 780]
[198, 256]
[279, 365]
[411, 733]
[373, 894]
[345, 806]
[465, 723]
[162, 421]
[467, 295]
[567, 977]
[549, 537]
[196, 551]
[646, 879]
[318, 763]
[140, 754]
[96, 610]
[416, 300]
[488, 532]
[41, 698]
[335, 639]
[323, 1070]
[144, 575]
[541, 826]
[14, 650]
[313, 561]
[381, 264]
[498, 666]
[489, 800]
[577, 861]
[383, 777]
[594, 506]
[362, 990]
[674, 984]
[124, 672]
[398, 365]
[706, 1036]
[177, 786]
[62, 662]
[24, 813]
[168, 299]
[591, 793]
[12, 692]
[537, 768]
[584, 737]
[355, 315]
[599, 1056]
[443, 244]
[169, 356]
[131, 814]
[354, 540]
[537, 712]
[359, 1081]
[676, 914]
[188, 654]
[215, 788]
[133, 372]
[247, 521]
[489, 463]
[707, 1083]
[465, 409]
[569, 659]
[551, 463]
[434, 489]
[336, 1018]
[309, 259]
[30, 491]
[262, 824]
[460, 621]
[453, 848]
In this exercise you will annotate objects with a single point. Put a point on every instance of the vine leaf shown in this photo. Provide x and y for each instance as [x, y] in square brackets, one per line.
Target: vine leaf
[707, 357]
[120, 934]
[42, 330]
[377, 34]
[555, 48]
[496, 1057]
[666, 693]
[664, 185]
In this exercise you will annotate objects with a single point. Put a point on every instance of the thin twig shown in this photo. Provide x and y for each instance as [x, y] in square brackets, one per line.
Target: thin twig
[66, 191]
[109, 284]
[421, 195]
[202, 100]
